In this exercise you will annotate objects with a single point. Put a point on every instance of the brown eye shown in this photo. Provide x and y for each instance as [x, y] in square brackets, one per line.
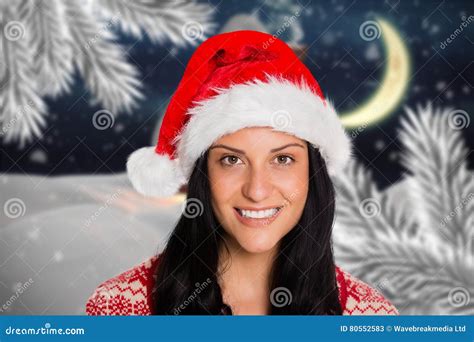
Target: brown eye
[284, 160]
[231, 160]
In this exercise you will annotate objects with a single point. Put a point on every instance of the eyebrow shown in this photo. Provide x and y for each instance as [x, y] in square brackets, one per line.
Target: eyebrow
[243, 152]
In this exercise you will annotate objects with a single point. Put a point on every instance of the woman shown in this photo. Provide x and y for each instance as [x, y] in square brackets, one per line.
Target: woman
[251, 134]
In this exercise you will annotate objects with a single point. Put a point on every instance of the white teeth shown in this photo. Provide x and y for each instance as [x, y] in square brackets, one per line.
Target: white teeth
[259, 214]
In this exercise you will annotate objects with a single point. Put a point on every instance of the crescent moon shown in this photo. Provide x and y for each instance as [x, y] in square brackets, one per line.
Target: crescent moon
[393, 85]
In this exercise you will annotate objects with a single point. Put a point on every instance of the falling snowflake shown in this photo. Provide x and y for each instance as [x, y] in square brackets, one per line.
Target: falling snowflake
[58, 256]
[34, 234]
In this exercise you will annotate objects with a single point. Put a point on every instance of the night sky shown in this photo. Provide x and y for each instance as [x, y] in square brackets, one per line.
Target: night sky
[347, 67]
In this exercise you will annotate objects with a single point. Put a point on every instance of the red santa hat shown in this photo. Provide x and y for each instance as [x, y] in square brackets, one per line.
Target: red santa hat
[236, 80]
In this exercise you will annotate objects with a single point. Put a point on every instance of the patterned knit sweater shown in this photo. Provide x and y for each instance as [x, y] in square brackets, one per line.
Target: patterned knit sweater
[130, 294]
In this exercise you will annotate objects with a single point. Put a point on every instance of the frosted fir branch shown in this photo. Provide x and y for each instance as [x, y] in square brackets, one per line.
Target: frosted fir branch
[113, 81]
[414, 266]
[441, 186]
[64, 34]
[52, 46]
[422, 273]
[362, 209]
[409, 272]
[181, 22]
[22, 109]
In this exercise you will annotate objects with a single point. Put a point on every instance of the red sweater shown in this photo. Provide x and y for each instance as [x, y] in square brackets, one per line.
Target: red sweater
[130, 294]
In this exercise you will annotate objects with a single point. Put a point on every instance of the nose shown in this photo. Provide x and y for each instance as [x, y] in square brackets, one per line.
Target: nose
[258, 185]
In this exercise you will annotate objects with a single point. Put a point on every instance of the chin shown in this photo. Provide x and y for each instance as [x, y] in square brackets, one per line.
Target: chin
[256, 245]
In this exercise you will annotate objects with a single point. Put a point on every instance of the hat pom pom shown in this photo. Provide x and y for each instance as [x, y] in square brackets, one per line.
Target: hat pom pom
[153, 174]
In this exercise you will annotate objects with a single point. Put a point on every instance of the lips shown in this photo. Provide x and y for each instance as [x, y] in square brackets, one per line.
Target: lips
[264, 213]
[257, 222]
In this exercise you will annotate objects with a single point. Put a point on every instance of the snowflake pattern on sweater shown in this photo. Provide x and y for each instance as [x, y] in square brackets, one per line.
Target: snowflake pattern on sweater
[130, 294]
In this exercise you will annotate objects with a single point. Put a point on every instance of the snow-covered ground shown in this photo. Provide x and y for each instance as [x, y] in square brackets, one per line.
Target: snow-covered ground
[60, 237]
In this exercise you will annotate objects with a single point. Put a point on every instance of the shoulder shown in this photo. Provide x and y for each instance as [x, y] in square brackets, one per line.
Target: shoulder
[129, 293]
[359, 298]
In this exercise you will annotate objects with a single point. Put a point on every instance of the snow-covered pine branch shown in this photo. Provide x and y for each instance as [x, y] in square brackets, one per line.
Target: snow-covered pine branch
[112, 80]
[397, 243]
[441, 188]
[182, 22]
[56, 35]
[21, 108]
[363, 209]
[52, 47]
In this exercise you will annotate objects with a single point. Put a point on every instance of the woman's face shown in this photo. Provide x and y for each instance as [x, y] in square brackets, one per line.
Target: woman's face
[259, 183]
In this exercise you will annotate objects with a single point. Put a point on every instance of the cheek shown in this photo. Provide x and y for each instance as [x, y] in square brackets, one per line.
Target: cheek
[294, 189]
[223, 191]
[223, 186]
[294, 185]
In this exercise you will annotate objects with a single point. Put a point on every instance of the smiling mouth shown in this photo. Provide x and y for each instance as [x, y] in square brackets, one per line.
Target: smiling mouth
[260, 214]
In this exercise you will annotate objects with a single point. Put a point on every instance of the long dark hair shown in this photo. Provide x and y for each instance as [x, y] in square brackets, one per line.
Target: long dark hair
[186, 278]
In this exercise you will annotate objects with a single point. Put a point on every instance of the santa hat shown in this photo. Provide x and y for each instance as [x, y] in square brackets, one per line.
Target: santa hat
[236, 80]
